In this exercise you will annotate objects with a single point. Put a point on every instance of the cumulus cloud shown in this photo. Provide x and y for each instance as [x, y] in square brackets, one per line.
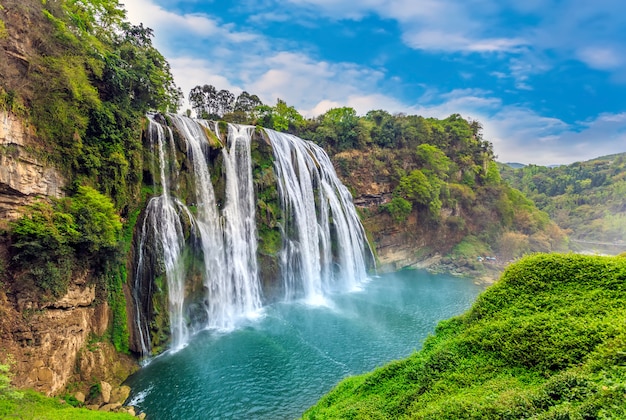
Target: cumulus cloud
[572, 29]
[521, 135]
[184, 25]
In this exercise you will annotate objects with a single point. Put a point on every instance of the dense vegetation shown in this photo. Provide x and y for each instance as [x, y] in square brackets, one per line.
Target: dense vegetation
[90, 79]
[585, 197]
[546, 342]
[84, 78]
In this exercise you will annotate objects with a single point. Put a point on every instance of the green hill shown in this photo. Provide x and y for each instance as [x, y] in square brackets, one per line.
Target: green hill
[546, 342]
[587, 198]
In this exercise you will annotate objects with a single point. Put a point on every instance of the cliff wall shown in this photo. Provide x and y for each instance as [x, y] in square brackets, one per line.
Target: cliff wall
[53, 344]
[22, 176]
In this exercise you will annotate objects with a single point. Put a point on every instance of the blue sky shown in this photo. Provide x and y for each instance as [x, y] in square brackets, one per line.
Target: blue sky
[546, 78]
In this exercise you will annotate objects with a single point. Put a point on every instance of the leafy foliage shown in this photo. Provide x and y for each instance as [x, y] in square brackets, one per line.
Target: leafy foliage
[51, 239]
[6, 390]
[115, 279]
[399, 209]
[586, 197]
[92, 77]
[545, 342]
[281, 117]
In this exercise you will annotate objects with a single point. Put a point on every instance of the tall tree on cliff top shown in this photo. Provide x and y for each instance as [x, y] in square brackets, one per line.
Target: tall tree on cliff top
[209, 103]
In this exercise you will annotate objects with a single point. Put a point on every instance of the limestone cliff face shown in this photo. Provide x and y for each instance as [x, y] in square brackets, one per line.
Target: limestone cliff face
[22, 176]
[47, 341]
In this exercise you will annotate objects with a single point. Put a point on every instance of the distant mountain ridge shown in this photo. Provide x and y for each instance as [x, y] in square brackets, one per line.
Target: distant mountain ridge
[515, 165]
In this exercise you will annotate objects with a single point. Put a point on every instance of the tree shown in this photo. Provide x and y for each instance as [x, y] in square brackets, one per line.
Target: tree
[344, 124]
[96, 221]
[204, 101]
[246, 102]
[433, 160]
[137, 72]
[225, 101]
[281, 117]
[399, 209]
[415, 187]
[384, 130]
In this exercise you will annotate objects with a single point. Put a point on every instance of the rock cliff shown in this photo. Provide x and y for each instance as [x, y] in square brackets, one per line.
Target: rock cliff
[53, 344]
[22, 176]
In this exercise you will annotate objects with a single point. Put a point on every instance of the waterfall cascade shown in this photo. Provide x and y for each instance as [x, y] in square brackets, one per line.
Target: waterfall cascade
[204, 249]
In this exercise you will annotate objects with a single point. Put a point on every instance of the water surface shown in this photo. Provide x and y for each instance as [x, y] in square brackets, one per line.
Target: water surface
[278, 365]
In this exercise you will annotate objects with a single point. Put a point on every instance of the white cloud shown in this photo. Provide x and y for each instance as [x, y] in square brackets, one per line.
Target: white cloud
[432, 25]
[601, 58]
[570, 29]
[521, 135]
[182, 25]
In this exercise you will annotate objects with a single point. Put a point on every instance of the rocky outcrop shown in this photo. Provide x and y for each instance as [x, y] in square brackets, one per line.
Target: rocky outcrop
[56, 343]
[414, 243]
[22, 176]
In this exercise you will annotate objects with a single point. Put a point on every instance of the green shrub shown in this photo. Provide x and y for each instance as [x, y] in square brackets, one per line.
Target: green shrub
[6, 390]
[54, 238]
[399, 209]
[96, 220]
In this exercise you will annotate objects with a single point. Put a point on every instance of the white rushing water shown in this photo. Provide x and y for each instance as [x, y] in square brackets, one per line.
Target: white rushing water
[324, 247]
[312, 195]
[240, 224]
[162, 225]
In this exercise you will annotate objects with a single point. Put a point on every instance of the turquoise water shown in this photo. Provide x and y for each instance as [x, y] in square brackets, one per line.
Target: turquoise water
[278, 365]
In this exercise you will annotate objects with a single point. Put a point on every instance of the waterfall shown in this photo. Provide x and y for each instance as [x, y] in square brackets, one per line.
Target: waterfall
[206, 247]
[162, 229]
[311, 195]
[240, 226]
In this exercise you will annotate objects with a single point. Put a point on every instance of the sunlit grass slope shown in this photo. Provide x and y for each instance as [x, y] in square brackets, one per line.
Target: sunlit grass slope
[33, 405]
[548, 341]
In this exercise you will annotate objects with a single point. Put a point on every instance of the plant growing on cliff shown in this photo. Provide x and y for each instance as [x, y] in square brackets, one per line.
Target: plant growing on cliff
[6, 390]
[399, 209]
[54, 238]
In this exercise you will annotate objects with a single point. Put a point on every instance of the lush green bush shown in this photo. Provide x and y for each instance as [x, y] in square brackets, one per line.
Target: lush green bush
[546, 342]
[399, 209]
[53, 238]
[6, 390]
[97, 221]
[116, 278]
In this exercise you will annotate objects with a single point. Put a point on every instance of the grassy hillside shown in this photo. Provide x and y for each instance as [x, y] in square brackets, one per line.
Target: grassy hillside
[547, 341]
[32, 405]
[588, 198]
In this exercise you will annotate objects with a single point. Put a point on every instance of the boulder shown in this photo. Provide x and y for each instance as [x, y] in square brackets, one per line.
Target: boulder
[80, 397]
[105, 389]
[120, 394]
[110, 407]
